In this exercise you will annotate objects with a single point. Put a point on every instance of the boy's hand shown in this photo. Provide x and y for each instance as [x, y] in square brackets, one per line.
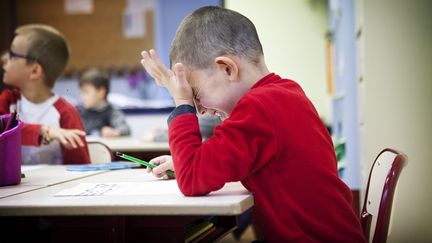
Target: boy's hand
[174, 80]
[109, 132]
[70, 138]
[164, 163]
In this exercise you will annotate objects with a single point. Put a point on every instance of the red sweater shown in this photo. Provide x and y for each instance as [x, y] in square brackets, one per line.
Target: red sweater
[275, 144]
[69, 119]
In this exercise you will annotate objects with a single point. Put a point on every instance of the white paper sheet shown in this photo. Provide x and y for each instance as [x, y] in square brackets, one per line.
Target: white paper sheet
[122, 188]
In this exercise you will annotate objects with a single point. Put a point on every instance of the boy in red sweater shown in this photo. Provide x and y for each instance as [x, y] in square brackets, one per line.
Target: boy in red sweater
[53, 132]
[272, 139]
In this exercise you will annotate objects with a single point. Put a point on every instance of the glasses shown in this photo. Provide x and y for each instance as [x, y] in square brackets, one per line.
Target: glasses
[13, 54]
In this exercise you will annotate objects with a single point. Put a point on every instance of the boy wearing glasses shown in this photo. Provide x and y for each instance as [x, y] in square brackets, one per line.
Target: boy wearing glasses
[53, 132]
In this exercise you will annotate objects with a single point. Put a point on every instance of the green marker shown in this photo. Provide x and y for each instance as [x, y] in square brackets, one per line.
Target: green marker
[141, 162]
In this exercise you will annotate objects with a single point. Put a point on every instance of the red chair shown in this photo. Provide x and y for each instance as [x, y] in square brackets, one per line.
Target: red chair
[377, 207]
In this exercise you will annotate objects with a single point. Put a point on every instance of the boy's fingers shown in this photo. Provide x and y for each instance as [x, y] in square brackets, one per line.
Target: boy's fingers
[158, 175]
[150, 169]
[152, 70]
[79, 132]
[163, 163]
[156, 161]
[71, 141]
[61, 138]
[78, 140]
[74, 138]
[154, 66]
[154, 55]
[148, 63]
[180, 72]
[160, 170]
[165, 166]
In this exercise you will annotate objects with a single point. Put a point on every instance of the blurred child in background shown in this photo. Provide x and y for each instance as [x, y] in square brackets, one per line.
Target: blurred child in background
[99, 116]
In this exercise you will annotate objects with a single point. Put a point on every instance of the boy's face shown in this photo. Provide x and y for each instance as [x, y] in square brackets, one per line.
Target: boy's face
[16, 69]
[214, 93]
[91, 96]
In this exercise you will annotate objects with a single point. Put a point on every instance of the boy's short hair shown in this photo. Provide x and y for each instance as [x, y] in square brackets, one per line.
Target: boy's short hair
[213, 31]
[48, 47]
[97, 78]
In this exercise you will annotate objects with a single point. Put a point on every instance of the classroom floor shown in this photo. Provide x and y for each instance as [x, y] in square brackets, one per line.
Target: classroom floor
[247, 237]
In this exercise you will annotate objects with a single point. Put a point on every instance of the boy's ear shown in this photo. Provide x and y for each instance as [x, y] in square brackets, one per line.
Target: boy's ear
[228, 66]
[36, 72]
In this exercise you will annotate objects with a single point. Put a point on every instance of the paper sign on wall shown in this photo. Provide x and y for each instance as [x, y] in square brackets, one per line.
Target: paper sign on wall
[134, 22]
[78, 6]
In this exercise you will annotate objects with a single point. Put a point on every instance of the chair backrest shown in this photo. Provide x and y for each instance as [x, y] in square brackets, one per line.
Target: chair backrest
[99, 153]
[377, 206]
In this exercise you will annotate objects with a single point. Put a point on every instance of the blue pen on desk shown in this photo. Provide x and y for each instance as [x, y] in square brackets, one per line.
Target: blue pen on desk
[142, 162]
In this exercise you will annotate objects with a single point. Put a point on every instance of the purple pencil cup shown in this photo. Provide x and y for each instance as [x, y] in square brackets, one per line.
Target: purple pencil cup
[10, 153]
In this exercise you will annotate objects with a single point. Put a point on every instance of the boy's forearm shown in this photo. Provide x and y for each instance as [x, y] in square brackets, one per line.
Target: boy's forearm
[194, 173]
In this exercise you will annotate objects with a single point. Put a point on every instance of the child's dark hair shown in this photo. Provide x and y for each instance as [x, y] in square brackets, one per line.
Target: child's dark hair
[96, 78]
[214, 31]
[48, 47]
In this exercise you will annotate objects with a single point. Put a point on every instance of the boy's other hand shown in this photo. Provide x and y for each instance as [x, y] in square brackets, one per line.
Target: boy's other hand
[109, 132]
[163, 163]
[70, 138]
[174, 80]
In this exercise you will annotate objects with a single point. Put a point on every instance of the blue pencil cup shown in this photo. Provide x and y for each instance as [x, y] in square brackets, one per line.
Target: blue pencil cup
[10, 153]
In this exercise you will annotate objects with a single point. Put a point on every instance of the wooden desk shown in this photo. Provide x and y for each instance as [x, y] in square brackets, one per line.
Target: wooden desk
[157, 212]
[39, 176]
[135, 147]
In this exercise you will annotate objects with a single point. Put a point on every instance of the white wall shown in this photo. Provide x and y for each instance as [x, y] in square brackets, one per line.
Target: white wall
[396, 62]
[292, 35]
[141, 125]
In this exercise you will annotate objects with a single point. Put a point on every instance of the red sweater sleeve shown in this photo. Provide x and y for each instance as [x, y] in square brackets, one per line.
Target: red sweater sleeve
[231, 154]
[31, 132]
[70, 119]
[7, 98]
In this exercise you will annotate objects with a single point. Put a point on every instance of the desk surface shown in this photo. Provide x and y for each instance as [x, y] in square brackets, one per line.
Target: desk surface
[151, 196]
[130, 144]
[39, 176]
